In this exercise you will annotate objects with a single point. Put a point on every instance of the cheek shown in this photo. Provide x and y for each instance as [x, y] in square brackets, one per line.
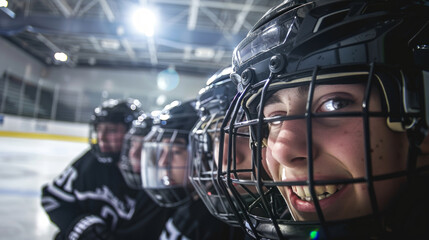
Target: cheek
[389, 149]
[264, 162]
[345, 146]
[271, 165]
[180, 160]
[117, 142]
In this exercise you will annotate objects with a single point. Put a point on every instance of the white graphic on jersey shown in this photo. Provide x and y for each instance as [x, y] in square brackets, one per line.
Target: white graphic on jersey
[104, 159]
[62, 186]
[170, 232]
[83, 225]
[124, 210]
[63, 189]
[106, 211]
[49, 203]
[66, 179]
[58, 192]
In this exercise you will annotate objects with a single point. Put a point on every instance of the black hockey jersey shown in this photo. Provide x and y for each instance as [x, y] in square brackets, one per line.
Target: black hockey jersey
[93, 187]
[194, 221]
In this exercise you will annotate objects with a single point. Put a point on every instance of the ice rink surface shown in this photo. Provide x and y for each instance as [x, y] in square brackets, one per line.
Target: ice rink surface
[26, 165]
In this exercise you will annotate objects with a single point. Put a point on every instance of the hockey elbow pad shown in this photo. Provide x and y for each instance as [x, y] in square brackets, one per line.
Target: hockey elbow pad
[89, 227]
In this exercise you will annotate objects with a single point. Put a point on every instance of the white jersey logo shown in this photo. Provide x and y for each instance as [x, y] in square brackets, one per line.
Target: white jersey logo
[170, 232]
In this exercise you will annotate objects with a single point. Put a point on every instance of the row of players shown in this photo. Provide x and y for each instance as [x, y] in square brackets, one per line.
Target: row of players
[134, 182]
[318, 131]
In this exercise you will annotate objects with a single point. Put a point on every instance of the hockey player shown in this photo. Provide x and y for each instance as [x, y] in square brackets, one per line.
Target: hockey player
[212, 103]
[130, 163]
[335, 92]
[90, 199]
[166, 164]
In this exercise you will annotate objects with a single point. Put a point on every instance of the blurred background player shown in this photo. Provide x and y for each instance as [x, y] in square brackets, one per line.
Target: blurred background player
[166, 165]
[130, 163]
[165, 155]
[334, 93]
[90, 199]
[212, 104]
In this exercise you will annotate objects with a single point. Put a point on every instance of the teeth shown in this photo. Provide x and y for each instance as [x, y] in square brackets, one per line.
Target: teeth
[331, 189]
[322, 192]
[307, 191]
[300, 191]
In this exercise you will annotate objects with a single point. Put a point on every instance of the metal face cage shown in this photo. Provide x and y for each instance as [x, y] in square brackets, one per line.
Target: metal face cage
[204, 145]
[268, 204]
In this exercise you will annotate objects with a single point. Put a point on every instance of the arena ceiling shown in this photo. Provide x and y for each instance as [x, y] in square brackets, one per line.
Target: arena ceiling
[192, 35]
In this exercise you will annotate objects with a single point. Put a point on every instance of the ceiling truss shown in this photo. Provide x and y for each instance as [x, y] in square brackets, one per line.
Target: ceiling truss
[97, 33]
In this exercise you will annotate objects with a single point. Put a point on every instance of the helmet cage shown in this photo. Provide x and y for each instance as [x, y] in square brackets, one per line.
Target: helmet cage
[204, 172]
[267, 216]
[313, 43]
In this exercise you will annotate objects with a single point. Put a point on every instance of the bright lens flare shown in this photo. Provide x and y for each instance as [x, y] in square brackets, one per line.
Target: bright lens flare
[144, 20]
[60, 56]
[3, 3]
[314, 234]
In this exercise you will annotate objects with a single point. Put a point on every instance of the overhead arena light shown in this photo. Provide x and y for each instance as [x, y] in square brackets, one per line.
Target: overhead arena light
[3, 3]
[144, 21]
[204, 52]
[7, 11]
[60, 56]
[112, 44]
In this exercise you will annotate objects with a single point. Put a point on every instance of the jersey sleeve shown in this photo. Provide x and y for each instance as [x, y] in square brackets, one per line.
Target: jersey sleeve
[58, 198]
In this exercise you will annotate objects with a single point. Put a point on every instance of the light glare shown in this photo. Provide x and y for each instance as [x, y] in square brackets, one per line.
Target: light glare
[155, 113]
[203, 52]
[314, 234]
[60, 56]
[160, 100]
[144, 21]
[168, 79]
[3, 3]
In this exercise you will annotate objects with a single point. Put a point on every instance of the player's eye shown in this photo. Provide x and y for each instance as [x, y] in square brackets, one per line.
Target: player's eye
[334, 104]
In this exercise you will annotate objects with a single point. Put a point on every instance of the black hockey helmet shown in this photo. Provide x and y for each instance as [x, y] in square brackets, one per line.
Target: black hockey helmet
[165, 155]
[123, 111]
[212, 102]
[379, 44]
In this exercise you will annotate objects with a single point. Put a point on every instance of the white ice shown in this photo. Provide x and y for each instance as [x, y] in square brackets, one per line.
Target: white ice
[25, 165]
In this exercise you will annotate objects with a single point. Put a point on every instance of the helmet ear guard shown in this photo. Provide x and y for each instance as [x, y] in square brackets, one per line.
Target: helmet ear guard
[410, 105]
[420, 49]
[421, 59]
